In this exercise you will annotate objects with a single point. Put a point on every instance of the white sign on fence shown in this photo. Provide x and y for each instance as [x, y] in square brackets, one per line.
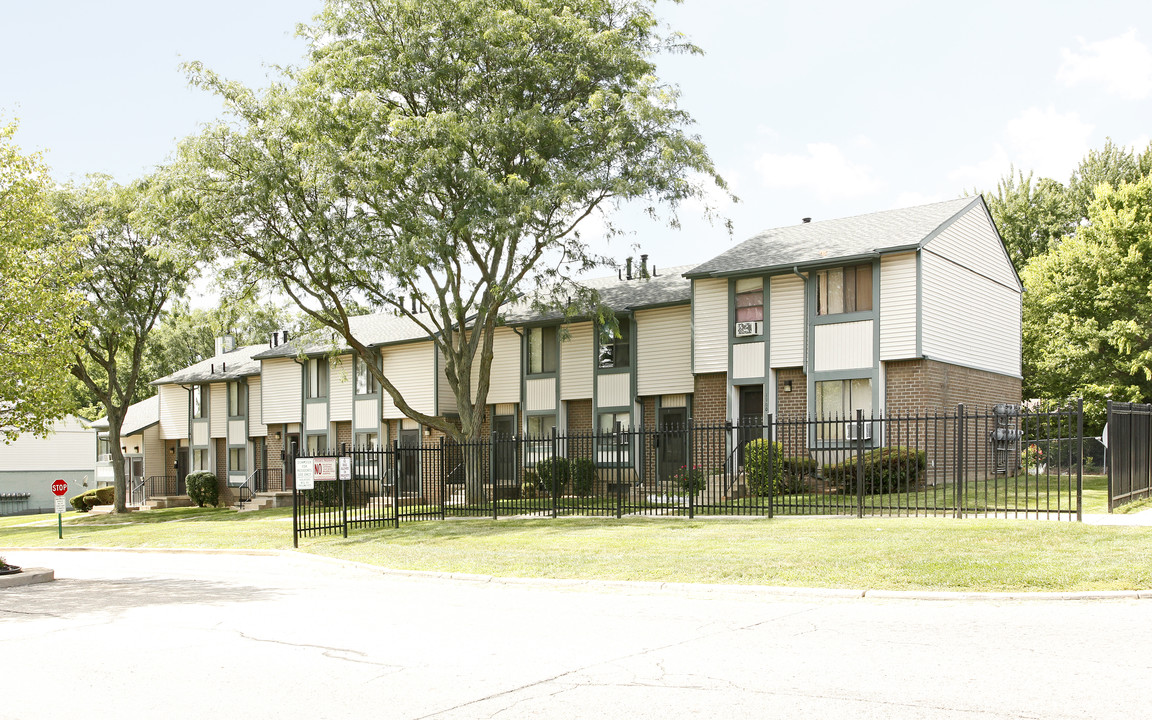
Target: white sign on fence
[304, 477]
[323, 468]
[345, 468]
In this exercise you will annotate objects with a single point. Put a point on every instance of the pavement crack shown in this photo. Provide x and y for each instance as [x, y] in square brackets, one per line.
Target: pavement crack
[328, 651]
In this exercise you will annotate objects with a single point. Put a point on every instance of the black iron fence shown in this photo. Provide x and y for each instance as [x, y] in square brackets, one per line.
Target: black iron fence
[1129, 447]
[999, 462]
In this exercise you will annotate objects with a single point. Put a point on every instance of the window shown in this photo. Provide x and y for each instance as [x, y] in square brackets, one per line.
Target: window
[614, 351]
[541, 425]
[317, 444]
[365, 380]
[541, 350]
[237, 460]
[200, 460]
[844, 290]
[609, 450]
[839, 400]
[367, 440]
[103, 447]
[317, 371]
[237, 399]
[198, 409]
[749, 300]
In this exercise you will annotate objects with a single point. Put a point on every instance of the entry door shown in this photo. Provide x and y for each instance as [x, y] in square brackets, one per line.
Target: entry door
[673, 448]
[409, 461]
[181, 471]
[751, 417]
[505, 428]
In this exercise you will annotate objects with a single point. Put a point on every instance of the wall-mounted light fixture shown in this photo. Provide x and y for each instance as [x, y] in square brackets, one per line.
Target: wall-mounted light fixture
[171, 451]
[427, 431]
[136, 449]
[787, 386]
[277, 434]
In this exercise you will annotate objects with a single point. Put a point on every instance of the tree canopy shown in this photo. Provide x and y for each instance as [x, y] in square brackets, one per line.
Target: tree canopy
[37, 303]
[445, 151]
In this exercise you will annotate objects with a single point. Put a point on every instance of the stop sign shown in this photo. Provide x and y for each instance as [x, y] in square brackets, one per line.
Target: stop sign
[59, 487]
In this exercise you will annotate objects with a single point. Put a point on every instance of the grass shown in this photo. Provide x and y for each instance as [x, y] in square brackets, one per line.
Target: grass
[888, 553]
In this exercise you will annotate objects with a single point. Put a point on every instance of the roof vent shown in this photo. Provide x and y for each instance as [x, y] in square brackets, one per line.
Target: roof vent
[276, 338]
[806, 220]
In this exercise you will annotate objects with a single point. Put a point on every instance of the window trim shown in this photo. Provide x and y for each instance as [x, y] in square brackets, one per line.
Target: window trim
[543, 372]
[622, 320]
[842, 316]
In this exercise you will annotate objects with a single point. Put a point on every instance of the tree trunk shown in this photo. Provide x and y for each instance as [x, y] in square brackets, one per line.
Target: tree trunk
[119, 482]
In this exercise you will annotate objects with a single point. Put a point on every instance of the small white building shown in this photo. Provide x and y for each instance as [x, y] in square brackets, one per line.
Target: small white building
[30, 464]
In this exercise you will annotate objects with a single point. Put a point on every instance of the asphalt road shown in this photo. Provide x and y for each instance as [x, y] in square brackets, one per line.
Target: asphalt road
[160, 635]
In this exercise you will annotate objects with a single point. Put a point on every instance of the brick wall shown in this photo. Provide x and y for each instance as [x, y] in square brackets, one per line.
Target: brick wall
[792, 406]
[344, 434]
[227, 497]
[275, 447]
[580, 416]
[924, 386]
[710, 399]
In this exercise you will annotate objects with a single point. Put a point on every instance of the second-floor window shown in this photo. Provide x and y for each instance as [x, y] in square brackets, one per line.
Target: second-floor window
[749, 300]
[237, 399]
[615, 345]
[541, 350]
[198, 409]
[365, 380]
[317, 380]
[844, 290]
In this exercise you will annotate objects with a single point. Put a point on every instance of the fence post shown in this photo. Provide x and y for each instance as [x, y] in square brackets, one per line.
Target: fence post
[959, 448]
[771, 464]
[859, 463]
[1108, 453]
[395, 462]
[443, 481]
[555, 476]
[493, 455]
[295, 498]
[343, 490]
[1079, 459]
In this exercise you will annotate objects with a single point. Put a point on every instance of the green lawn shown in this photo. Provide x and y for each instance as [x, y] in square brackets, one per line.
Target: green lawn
[887, 553]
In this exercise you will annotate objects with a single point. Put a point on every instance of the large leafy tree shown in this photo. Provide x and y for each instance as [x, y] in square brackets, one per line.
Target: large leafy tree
[445, 151]
[1033, 215]
[37, 304]
[1088, 305]
[126, 282]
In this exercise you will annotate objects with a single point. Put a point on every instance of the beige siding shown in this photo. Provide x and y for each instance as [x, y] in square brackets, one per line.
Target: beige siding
[540, 394]
[786, 321]
[280, 391]
[411, 369]
[969, 319]
[504, 409]
[255, 427]
[898, 306]
[315, 417]
[972, 242]
[445, 396]
[843, 346]
[710, 325]
[340, 386]
[663, 363]
[156, 461]
[236, 432]
[367, 414]
[218, 409]
[613, 390]
[674, 401]
[173, 412]
[748, 360]
[504, 379]
[200, 433]
[70, 447]
[576, 362]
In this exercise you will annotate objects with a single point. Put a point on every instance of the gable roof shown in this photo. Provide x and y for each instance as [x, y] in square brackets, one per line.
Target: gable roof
[670, 287]
[232, 365]
[375, 329]
[139, 416]
[840, 239]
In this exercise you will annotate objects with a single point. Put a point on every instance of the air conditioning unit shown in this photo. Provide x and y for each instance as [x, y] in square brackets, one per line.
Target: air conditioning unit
[852, 429]
[745, 329]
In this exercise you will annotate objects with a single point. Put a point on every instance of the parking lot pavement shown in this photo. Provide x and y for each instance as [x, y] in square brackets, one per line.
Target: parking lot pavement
[184, 635]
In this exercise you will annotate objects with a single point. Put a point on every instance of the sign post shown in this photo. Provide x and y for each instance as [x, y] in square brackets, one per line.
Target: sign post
[59, 487]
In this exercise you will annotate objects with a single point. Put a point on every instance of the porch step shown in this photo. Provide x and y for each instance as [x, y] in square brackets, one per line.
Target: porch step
[264, 501]
[170, 501]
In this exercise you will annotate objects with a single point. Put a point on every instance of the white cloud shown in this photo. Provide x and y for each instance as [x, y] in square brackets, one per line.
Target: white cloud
[1121, 65]
[1045, 142]
[825, 170]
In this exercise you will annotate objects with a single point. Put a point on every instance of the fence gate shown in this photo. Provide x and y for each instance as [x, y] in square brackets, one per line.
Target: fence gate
[1129, 452]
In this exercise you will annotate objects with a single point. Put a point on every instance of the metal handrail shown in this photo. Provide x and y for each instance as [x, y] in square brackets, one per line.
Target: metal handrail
[244, 490]
[142, 488]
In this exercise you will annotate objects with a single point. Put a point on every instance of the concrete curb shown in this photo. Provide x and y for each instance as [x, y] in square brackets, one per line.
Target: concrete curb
[745, 591]
[27, 576]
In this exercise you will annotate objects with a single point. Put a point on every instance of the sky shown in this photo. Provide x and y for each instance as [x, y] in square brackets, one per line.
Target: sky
[808, 109]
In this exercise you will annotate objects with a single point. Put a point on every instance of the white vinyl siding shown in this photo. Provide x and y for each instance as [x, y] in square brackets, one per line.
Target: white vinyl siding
[71, 446]
[843, 346]
[340, 385]
[968, 319]
[972, 242]
[786, 321]
[445, 396]
[504, 379]
[748, 360]
[218, 409]
[410, 368]
[710, 325]
[367, 416]
[540, 394]
[255, 427]
[200, 433]
[280, 391]
[612, 390]
[173, 412]
[662, 366]
[576, 363]
[236, 432]
[315, 417]
[155, 459]
[898, 306]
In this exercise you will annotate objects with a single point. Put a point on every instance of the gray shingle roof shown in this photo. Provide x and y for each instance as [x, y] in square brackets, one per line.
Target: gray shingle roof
[225, 366]
[375, 329]
[829, 240]
[137, 417]
[670, 287]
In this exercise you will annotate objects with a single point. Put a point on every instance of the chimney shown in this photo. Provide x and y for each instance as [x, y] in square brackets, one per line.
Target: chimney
[400, 306]
[806, 220]
[414, 306]
[225, 344]
[628, 270]
[644, 266]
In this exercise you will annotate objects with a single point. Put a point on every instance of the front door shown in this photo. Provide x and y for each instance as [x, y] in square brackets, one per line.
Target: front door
[751, 420]
[181, 471]
[672, 452]
[505, 428]
[408, 461]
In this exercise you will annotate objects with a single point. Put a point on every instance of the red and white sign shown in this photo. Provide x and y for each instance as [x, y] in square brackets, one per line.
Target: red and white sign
[323, 469]
[59, 487]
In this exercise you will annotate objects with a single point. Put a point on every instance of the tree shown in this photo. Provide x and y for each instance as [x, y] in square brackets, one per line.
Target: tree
[1032, 217]
[1088, 305]
[127, 284]
[1111, 165]
[37, 304]
[446, 151]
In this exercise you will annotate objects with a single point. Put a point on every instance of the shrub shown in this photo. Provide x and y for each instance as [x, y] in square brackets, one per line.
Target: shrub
[529, 485]
[583, 476]
[797, 471]
[689, 481]
[544, 470]
[757, 473]
[890, 469]
[202, 488]
[88, 499]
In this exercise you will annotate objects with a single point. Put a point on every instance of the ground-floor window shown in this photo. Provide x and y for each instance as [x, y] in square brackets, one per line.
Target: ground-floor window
[611, 449]
[317, 444]
[200, 460]
[839, 400]
[368, 440]
[541, 425]
[237, 460]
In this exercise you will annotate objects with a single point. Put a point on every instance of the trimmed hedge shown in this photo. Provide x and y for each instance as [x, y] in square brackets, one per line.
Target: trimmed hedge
[203, 488]
[583, 476]
[756, 471]
[886, 470]
[544, 470]
[86, 500]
